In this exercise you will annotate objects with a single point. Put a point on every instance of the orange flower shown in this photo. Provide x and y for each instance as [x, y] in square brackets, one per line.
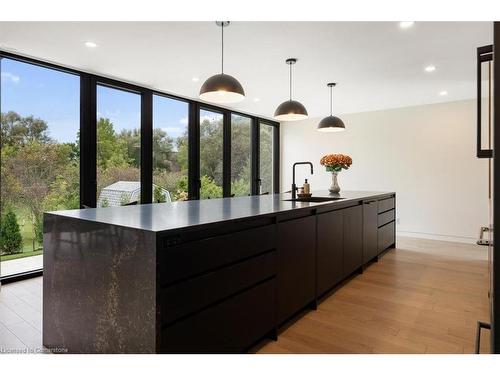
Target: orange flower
[336, 162]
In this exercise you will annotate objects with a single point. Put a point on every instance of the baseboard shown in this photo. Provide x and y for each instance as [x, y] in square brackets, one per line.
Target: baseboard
[439, 237]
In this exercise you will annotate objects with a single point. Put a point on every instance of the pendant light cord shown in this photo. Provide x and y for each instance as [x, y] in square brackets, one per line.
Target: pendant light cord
[290, 82]
[331, 100]
[222, 49]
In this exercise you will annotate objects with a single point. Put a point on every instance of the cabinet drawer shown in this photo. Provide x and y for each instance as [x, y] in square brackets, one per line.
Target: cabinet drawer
[385, 205]
[195, 294]
[193, 258]
[230, 327]
[385, 217]
[386, 236]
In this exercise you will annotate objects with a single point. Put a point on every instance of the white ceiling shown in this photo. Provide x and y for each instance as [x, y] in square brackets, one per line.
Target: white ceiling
[377, 65]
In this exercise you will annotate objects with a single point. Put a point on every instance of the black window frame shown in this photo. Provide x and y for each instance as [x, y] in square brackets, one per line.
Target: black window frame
[88, 134]
[88, 139]
[276, 153]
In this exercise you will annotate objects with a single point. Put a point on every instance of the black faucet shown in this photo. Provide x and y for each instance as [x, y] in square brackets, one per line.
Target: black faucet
[294, 187]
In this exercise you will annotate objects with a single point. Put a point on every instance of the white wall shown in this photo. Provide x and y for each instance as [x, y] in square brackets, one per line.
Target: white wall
[426, 154]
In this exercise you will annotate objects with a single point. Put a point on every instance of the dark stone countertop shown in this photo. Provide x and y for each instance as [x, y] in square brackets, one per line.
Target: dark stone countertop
[159, 217]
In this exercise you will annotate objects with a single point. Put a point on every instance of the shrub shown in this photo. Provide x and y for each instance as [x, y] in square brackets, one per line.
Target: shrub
[10, 235]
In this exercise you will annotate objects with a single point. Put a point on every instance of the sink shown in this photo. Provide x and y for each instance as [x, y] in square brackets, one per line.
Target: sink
[314, 199]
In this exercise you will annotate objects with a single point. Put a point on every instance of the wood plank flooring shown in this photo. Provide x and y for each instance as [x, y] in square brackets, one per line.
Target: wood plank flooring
[424, 297]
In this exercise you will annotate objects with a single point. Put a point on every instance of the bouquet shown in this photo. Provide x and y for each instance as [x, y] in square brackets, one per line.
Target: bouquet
[336, 162]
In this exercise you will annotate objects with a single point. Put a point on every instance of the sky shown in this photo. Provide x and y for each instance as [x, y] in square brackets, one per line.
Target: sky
[54, 97]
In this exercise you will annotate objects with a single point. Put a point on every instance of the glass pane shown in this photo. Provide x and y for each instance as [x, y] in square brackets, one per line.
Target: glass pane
[266, 164]
[118, 147]
[40, 122]
[170, 149]
[211, 139]
[241, 155]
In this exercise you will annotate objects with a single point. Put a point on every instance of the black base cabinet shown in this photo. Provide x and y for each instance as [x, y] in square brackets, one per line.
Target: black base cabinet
[229, 327]
[296, 265]
[218, 286]
[330, 250]
[370, 230]
[353, 239]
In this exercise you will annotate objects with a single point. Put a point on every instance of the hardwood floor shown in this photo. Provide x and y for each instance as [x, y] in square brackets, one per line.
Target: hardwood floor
[424, 297]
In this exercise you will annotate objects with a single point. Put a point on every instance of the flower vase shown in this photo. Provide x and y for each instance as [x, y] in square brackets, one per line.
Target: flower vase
[335, 188]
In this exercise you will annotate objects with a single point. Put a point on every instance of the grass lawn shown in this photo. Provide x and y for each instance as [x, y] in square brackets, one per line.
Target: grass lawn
[24, 254]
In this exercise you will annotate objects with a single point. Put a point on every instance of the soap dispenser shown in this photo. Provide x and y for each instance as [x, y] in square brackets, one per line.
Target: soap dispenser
[307, 188]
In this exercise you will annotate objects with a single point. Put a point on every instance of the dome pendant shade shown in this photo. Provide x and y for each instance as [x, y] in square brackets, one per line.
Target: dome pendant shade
[331, 123]
[222, 88]
[291, 110]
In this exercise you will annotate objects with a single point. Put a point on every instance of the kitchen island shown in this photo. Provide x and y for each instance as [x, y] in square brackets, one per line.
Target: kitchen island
[206, 276]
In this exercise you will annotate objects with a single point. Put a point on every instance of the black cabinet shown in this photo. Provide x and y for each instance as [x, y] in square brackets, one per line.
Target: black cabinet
[353, 239]
[386, 237]
[296, 265]
[330, 255]
[229, 327]
[370, 230]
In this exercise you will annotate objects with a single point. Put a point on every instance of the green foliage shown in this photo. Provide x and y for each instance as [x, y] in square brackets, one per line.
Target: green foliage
[336, 168]
[38, 229]
[105, 202]
[209, 189]
[111, 151]
[266, 158]
[164, 158]
[10, 234]
[17, 131]
[124, 199]
[38, 174]
[158, 195]
[211, 150]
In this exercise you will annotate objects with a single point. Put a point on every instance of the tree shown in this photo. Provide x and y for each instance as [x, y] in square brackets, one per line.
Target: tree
[111, 151]
[36, 166]
[10, 234]
[163, 150]
[211, 139]
[132, 141]
[18, 131]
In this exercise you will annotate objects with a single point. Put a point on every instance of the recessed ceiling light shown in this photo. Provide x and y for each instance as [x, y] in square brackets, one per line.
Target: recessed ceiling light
[90, 44]
[443, 93]
[406, 24]
[430, 68]
[256, 99]
[195, 79]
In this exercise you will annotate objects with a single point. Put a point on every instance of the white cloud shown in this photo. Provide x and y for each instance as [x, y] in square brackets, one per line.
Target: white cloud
[10, 77]
[183, 121]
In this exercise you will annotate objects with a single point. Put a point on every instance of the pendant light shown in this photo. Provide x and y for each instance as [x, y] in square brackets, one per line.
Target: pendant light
[291, 110]
[331, 123]
[222, 88]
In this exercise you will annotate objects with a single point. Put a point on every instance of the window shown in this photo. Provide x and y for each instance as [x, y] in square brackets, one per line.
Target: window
[170, 149]
[241, 155]
[40, 122]
[266, 158]
[211, 154]
[118, 147]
